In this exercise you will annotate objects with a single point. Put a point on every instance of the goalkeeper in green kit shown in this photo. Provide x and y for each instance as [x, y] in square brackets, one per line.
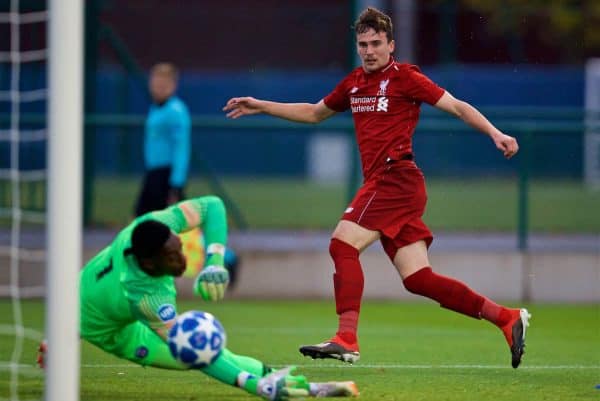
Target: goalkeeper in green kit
[128, 300]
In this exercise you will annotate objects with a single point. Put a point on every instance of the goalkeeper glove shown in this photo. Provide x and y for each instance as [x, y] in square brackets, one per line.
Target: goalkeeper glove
[211, 283]
[281, 385]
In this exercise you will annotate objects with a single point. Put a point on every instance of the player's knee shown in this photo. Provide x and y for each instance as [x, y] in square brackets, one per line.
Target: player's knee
[340, 250]
[417, 282]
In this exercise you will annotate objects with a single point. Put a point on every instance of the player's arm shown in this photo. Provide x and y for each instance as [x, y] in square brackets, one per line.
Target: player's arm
[298, 112]
[205, 212]
[208, 213]
[471, 116]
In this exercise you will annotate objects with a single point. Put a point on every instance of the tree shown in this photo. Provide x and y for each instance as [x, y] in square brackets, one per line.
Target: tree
[573, 25]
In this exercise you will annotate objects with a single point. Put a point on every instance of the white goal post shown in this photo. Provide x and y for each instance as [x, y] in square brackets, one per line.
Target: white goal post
[65, 124]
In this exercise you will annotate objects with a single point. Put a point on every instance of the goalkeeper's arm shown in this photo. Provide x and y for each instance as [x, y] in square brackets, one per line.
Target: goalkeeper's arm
[208, 213]
[205, 212]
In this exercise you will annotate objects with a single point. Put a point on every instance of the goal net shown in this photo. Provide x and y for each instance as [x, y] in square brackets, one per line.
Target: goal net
[40, 200]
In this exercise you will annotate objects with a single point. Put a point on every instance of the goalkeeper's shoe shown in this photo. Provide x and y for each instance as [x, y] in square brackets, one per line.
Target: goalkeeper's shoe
[41, 354]
[336, 348]
[514, 332]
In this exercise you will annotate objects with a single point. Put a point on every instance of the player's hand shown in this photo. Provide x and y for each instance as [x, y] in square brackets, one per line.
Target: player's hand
[282, 385]
[506, 144]
[211, 283]
[242, 106]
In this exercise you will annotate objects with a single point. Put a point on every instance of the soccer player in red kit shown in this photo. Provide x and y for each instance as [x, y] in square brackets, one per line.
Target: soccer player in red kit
[385, 98]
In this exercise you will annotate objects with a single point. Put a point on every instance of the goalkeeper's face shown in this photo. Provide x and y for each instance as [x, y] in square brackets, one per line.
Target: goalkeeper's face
[170, 261]
[162, 87]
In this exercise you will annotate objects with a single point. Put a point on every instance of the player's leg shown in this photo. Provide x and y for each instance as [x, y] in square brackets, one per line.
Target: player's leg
[348, 240]
[260, 380]
[408, 251]
[153, 195]
[139, 344]
[247, 363]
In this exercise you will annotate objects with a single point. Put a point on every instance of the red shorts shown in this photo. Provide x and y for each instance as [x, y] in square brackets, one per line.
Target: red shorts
[392, 202]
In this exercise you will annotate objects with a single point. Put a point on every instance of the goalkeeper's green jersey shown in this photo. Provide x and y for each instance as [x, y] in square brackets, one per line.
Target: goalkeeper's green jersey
[115, 292]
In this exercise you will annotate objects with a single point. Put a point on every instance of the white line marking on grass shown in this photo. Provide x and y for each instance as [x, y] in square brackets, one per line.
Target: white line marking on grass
[459, 366]
[387, 366]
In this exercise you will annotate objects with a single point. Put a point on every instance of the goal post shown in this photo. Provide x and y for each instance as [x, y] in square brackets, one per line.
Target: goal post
[64, 231]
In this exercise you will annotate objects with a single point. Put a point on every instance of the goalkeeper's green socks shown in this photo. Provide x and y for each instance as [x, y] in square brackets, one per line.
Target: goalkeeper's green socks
[226, 370]
[246, 363]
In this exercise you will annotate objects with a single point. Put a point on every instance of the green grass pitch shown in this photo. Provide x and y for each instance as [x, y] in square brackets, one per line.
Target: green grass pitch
[410, 351]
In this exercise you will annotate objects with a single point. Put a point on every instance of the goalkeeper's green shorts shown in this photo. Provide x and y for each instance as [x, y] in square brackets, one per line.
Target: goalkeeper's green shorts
[137, 343]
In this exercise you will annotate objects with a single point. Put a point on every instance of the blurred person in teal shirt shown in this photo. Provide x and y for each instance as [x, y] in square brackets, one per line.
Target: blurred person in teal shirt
[166, 160]
[166, 143]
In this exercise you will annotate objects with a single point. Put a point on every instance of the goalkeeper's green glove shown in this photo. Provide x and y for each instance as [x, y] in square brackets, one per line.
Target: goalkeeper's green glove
[281, 385]
[211, 283]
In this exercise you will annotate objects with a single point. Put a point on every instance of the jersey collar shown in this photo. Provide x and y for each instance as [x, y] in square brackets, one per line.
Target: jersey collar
[380, 71]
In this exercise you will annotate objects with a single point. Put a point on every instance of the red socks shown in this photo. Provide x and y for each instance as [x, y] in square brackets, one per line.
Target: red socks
[498, 314]
[450, 293]
[455, 295]
[348, 282]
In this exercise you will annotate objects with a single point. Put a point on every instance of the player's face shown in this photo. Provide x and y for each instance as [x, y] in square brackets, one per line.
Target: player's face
[161, 86]
[374, 49]
[171, 260]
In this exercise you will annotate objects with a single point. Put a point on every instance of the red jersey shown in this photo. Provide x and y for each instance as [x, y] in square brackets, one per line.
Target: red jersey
[385, 107]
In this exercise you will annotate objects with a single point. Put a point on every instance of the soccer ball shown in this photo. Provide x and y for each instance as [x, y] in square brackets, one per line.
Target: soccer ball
[196, 339]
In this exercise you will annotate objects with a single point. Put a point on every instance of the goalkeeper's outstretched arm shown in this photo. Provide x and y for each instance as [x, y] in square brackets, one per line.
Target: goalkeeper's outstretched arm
[209, 214]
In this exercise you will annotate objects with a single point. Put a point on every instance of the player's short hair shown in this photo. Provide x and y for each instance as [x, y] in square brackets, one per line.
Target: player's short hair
[167, 69]
[148, 238]
[375, 19]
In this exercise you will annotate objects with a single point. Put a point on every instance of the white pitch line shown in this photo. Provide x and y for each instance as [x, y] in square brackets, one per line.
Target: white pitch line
[390, 366]
[4, 366]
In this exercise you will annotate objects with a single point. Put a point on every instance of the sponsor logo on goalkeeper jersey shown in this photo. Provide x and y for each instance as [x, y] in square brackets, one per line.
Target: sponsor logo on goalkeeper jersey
[166, 312]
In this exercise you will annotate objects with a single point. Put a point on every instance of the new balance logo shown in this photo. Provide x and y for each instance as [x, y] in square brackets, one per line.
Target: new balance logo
[382, 104]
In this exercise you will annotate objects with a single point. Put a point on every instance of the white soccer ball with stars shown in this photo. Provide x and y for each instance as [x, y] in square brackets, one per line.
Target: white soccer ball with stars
[196, 339]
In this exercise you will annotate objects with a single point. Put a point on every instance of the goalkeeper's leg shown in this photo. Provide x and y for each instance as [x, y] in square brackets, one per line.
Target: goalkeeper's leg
[138, 343]
[247, 363]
